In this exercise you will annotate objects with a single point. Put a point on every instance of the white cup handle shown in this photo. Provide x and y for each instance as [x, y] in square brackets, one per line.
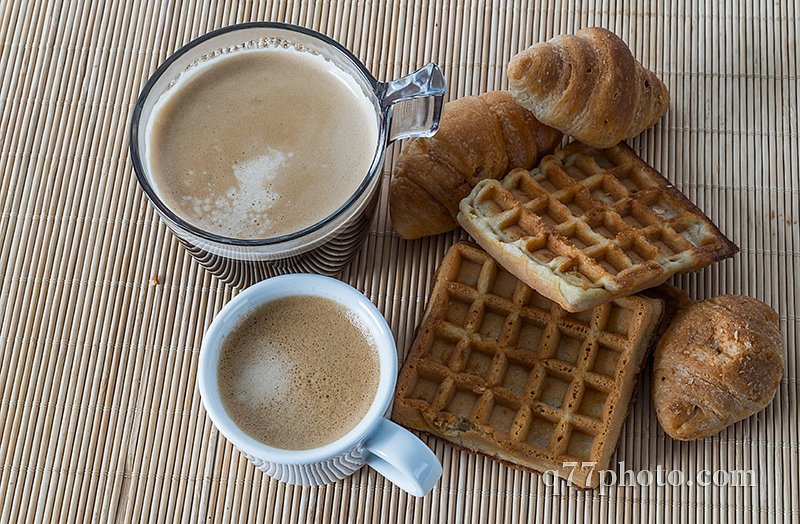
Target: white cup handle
[402, 458]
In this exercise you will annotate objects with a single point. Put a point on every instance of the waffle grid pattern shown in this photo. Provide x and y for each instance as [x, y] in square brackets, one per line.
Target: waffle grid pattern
[600, 220]
[541, 385]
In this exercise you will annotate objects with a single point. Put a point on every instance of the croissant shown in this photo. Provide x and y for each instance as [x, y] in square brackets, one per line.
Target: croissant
[720, 361]
[589, 86]
[479, 137]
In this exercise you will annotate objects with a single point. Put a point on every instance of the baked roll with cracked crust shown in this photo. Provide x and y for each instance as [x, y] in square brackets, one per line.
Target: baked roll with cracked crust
[719, 362]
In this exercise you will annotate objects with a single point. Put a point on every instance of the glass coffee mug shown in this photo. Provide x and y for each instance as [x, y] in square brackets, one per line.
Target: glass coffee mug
[375, 440]
[408, 107]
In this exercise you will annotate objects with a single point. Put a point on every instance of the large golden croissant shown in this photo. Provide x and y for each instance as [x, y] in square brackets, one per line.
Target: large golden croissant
[479, 137]
[589, 86]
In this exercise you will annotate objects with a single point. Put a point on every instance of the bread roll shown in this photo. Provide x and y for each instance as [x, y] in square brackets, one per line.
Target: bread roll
[720, 361]
[479, 137]
[589, 86]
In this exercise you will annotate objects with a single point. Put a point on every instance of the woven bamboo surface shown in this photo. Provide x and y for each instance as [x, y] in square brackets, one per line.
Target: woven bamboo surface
[100, 414]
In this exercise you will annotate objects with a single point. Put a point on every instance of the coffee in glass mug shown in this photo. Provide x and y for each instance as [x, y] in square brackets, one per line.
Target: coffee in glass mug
[261, 146]
[260, 143]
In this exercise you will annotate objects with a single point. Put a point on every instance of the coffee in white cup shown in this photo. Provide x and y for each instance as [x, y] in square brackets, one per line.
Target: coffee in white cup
[374, 440]
[298, 372]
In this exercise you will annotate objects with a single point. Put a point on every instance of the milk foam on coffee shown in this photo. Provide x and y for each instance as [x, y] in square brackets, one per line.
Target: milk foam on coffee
[299, 372]
[259, 143]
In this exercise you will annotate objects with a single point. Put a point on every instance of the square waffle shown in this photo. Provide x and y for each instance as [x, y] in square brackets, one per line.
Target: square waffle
[499, 369]
[591, 225]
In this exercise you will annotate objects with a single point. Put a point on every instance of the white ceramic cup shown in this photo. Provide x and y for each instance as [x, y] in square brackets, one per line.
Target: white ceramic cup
[388, 448]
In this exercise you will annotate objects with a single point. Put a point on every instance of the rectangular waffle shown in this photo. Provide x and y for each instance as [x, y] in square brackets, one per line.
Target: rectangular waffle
[499, 369]
[591, 225]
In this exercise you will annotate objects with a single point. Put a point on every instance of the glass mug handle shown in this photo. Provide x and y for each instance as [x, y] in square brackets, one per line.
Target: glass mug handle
[413, 103]
[402, 458]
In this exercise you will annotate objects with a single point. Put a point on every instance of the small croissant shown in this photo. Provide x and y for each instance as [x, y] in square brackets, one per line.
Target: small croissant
[479, 137]
[589, 86]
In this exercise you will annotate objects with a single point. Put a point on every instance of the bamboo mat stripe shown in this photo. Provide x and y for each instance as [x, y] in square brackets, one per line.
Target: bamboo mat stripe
[101, 418]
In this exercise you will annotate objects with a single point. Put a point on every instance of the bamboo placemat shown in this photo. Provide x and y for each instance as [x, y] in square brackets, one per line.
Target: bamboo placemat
[101, 418]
